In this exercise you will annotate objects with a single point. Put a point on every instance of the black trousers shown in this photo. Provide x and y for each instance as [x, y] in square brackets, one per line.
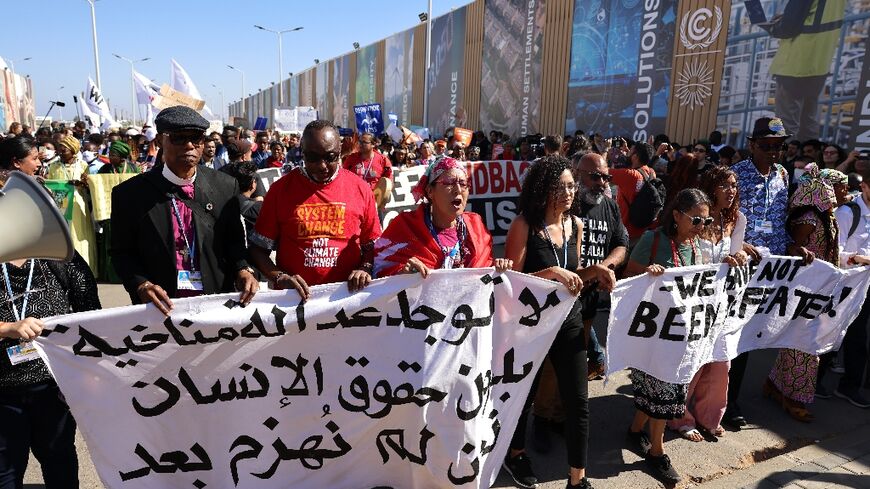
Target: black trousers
[855, 350]
[568, 355]
[735, 377]
[34, 418]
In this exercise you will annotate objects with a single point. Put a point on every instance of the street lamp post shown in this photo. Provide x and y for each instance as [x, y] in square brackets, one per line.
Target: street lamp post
[12, 63]
[223, 106]
[244, 111]
[426, 70]
[96, 48]
[133, 103]
[280, 56]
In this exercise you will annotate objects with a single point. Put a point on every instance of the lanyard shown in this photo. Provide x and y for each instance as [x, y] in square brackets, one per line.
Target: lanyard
[367, 168]
[564, 246]
[678, 259]
[188, 244]
[18, 316]
[721, 246]
[450, 254]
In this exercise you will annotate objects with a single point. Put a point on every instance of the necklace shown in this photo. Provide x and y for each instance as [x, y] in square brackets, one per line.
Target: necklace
[564, 246]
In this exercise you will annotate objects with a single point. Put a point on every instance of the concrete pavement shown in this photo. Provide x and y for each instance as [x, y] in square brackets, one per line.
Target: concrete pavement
[774, 451]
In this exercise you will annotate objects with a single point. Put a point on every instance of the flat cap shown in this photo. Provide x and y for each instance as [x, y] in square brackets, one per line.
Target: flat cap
[180, 118]
[236, 148]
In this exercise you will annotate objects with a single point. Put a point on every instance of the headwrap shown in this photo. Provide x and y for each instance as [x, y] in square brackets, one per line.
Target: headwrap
[432, 173]
[813, 190]
[120, 148]
[834, 177]
[71, 143]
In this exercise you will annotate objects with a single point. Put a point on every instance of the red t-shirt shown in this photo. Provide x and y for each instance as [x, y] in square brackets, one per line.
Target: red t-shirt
[370, 170]
[319, 229]
[628, 182]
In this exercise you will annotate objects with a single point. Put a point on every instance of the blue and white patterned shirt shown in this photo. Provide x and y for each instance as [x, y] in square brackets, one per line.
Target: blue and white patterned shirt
[764, 199]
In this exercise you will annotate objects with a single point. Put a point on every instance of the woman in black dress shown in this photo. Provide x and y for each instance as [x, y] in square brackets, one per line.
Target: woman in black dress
[542, 241]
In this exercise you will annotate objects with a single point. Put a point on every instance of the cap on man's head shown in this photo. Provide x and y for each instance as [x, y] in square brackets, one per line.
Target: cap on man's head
[237, 148]
[768, 127]
[180, 118]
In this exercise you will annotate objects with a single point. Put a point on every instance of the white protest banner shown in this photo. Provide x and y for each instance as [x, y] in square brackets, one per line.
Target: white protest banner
[267, 176]
[410, 382]
[670, 326]
[287, 119]
[494, 188]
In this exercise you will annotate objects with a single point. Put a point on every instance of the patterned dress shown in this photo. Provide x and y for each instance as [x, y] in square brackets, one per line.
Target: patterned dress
[794, 372]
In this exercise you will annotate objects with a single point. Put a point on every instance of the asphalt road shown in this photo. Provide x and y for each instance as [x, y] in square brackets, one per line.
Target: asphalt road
[771, 434]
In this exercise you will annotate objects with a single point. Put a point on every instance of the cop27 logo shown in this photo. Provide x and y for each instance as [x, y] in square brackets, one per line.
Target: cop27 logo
[695, 31]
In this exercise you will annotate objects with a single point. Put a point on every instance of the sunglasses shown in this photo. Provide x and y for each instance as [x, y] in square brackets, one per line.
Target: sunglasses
[769, 146]
[181, 138]
[452, 183]
[697, 220]
[598, 176]
[311, 157]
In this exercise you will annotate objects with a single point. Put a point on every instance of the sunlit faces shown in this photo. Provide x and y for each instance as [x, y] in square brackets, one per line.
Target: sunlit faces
[449, 194]
[726, 192]
[690, 223]
[563, 195]
[29, 164]
[322, 154]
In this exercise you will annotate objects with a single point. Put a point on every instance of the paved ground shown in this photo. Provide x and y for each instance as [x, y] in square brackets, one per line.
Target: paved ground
[774, 451]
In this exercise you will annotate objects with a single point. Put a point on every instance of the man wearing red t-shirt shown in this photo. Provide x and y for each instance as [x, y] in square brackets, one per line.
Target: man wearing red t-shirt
[319, 218]
[368, 164]
[628, 183]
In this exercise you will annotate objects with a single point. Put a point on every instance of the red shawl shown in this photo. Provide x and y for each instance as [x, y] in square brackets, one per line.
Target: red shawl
[408, 236]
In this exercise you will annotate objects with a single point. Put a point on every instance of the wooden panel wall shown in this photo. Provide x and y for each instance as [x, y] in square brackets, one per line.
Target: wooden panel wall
[418, 82]
[697, 72]
[556, 65]
[473, 69]
[380, 69]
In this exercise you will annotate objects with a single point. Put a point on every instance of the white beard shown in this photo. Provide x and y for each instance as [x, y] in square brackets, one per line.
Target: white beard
[590, 197]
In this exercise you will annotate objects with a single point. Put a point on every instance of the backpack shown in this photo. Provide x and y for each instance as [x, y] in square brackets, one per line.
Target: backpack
[856, 217]
[648, 202]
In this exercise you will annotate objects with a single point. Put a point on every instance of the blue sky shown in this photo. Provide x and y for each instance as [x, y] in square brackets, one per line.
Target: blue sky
[203, 36]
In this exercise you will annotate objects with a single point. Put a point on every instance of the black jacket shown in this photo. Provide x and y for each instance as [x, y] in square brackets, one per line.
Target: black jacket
[143, 247]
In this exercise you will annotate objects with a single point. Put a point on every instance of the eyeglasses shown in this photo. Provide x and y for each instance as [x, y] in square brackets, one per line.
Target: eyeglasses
[452, 183]
[598, 176]
[181, 139]
[733, 186]
[567, 189]
[697, 220]
[311, 157]
[769, 146]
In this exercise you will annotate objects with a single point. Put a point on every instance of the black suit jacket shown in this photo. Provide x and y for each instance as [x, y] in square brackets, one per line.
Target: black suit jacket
[143, 248]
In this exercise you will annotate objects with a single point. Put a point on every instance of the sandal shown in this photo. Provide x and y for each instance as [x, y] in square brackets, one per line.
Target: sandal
[690, 433]
[717, 432]
[797, 410]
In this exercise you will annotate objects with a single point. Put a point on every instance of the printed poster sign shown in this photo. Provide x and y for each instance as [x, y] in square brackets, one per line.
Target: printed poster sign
[366, 74]
[446, 77]
[369, 118]
[409, 383]
[399, 75]
[63, 193]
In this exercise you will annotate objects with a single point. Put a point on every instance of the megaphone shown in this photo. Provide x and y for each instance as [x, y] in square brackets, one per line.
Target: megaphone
[30, 223]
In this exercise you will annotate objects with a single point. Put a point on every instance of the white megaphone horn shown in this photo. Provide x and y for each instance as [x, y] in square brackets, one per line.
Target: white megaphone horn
[31, 225]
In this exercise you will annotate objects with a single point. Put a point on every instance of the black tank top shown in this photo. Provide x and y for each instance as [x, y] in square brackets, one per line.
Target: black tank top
[540, 256]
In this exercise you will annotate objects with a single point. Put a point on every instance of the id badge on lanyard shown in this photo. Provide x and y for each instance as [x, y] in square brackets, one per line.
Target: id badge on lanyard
[24, 351]
[187, 279]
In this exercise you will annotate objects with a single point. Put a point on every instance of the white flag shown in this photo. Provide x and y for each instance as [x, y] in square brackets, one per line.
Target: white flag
[86, 114]
[98, 105]
[146, 93]
[180, 80]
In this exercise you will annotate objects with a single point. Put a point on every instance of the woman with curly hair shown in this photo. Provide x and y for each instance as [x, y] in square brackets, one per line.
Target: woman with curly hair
[811, 223]
[543, 241]
[674, 244]
[720, 242]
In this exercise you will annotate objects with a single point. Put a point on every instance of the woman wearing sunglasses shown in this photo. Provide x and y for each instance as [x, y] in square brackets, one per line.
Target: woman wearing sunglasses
[812, 225]
[543, 241]
[720, 242]
[674, 244]
[439, 233]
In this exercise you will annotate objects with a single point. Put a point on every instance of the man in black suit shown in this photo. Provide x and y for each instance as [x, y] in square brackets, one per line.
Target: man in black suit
[176, 230]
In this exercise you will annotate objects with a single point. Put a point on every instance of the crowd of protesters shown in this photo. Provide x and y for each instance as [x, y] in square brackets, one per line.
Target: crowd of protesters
[592, 209]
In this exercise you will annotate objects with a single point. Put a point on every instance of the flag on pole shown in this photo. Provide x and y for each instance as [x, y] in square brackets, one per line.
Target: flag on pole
[98, 105]
[87, 115]
[181, 81]
[146, 94]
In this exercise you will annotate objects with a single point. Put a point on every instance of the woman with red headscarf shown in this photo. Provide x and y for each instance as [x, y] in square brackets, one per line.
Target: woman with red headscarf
[439, 234]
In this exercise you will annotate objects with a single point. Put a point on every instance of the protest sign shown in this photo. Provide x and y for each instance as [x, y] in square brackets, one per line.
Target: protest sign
[293, 119]
[408, 383]
[62, 191]
[670, 326]
[462, 135]
[267, 176]
[369, 118]
[101, 186]
[261, 123]
[494, 187]
[170, 97]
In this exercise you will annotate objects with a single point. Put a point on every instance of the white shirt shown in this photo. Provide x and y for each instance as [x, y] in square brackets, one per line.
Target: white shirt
[859, 242]
[716, 253]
